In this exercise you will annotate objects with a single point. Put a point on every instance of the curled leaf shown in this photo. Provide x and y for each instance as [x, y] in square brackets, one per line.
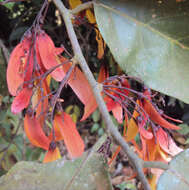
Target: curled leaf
[72, 139]
[35, 132]
[16, 66]
[156, 117]
[48, 54]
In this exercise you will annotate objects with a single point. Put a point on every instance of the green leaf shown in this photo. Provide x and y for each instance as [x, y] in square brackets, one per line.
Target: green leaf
[184, 129]
[94, 127]
[100, 131]
[149, 40]
[125, 185]
[96, 116]
[86, 173]
[187, 141]
[176, 177]
[8, 5]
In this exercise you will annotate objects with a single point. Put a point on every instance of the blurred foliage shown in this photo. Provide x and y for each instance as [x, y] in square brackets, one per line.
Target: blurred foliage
[125, 185]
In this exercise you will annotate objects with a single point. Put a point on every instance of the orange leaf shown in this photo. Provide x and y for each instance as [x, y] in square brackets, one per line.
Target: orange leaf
[40, 100]
[101, 44]
[90, 16]
[35, 133]
[152, 181]
[103, 74]
[48, 54]
[21, 101]
[72, 139]
[149, 148]
[90, 107]
[52, 155]
[83, 90]
[57, 132]
[132, 130]
[16, 66]
[81, 87]
[156, 117]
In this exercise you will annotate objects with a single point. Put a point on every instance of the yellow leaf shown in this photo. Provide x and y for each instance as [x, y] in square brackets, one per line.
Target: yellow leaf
[132, 128]
[74, 3]
[101, 44]
[90, 16]
[152, 181]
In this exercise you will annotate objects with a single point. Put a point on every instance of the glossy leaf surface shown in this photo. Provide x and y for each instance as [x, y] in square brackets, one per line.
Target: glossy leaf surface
[149, 40]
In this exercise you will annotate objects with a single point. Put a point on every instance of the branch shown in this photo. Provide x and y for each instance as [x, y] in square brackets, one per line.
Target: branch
[134, 159]
[155, 164]
[82, 7]
[5, 50]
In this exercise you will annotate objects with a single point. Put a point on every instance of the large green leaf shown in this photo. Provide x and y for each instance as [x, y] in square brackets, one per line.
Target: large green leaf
[59, 175]
[89, 172]
[176, 177]
[149, 40]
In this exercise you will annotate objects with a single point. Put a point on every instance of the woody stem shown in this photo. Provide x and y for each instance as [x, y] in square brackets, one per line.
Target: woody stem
[155, 164]
[82, 7]
[134, 159]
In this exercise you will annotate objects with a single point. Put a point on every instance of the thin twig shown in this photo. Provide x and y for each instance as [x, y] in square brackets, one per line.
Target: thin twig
[134, 159]
[5, 51]
[57, 95]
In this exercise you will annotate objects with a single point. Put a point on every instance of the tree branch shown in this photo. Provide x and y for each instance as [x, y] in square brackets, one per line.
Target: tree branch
[134, 159]
[155, 164]
[82, 7]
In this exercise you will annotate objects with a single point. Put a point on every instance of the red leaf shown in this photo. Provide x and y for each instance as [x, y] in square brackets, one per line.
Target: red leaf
[35, 133]
[16, 66]
[145, 133]
[52, 155]
[21, 101]
[156, 117]
[82, 89]
[72, 139]
[103, 74]
[48, 54]
[118, 113]
[162, 139]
